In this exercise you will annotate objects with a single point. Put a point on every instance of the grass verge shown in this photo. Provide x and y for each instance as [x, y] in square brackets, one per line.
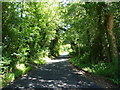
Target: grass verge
[104, 69]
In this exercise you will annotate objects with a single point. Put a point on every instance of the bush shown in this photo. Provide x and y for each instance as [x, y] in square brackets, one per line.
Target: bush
[10, 76]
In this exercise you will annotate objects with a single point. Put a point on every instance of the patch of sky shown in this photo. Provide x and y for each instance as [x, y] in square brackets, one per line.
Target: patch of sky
[65, 2]
[67, 27]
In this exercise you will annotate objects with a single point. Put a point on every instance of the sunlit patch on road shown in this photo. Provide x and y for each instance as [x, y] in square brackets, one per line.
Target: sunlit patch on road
[63, 57]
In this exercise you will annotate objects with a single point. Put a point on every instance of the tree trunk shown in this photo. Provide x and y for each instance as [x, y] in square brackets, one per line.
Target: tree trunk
[112, 43]
[111, 37]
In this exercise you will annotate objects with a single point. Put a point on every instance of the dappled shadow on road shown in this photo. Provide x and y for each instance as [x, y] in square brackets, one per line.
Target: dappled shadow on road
[53, 75]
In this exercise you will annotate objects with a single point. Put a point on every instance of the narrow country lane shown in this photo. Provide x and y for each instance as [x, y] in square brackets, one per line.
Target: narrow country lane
[55, 74]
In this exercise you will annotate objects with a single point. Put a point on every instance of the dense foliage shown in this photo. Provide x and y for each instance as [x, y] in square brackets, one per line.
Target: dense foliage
[29, 32]
[35, 30]
[94, 38]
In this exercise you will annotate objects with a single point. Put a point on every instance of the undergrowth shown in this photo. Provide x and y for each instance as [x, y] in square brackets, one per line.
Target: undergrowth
[106, 69]
[20, 69]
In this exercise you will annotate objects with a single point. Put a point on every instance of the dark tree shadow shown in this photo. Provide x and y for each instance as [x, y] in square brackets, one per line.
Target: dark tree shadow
[63, 57]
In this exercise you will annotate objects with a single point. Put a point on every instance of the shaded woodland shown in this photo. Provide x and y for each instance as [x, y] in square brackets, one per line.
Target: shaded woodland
[32, 31]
